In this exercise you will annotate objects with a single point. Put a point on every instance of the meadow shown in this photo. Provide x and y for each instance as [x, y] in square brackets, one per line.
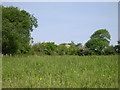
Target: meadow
[60, 71]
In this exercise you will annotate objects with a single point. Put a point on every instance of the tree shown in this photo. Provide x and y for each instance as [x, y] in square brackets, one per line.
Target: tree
[102, 34]
[16, 27]
[99, 41]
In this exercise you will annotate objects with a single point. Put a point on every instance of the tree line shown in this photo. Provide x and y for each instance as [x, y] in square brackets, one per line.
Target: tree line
[91, 47]
[17, 25]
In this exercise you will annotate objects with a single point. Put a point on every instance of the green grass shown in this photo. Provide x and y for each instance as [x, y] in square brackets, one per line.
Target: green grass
[60, 72]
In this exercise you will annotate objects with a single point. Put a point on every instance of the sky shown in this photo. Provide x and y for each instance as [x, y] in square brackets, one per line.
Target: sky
[63, 22]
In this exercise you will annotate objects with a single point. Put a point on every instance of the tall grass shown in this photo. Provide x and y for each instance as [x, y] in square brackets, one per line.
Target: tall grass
[60, 72]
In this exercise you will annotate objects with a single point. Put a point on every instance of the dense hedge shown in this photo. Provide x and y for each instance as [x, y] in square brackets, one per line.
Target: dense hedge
[50, 48]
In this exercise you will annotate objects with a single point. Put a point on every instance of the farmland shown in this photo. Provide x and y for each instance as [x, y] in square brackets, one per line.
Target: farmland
[60, 71]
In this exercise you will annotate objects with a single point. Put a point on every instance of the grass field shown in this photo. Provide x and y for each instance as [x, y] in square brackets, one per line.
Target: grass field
[60, 72]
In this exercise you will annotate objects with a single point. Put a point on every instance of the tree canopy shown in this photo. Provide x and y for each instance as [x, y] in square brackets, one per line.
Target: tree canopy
[99, 41]
[102, 34]
[16, 27]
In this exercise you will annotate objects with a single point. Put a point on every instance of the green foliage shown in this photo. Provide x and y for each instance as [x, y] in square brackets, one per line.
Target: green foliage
[88, 52]
[16, 27]
[117, 48]
[48, 48]
[93, 47]
[109, 50]
[72, 50]
[62, 49]
[99, 41]
[102, 34]
[79, 52]
[97, 45]
[67, 49]
[79, 45]
[118, 42]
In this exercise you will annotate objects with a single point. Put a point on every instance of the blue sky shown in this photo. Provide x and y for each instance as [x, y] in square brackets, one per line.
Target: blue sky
[63, 22]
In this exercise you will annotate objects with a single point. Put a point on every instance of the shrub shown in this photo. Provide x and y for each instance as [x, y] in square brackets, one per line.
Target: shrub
[79, 52]
[48, 48]
[117, 48]
[62, 49]
[109, 51]
[88, 52]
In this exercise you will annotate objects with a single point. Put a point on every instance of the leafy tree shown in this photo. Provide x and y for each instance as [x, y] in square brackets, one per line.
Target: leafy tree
[99, 41]
[16, 27]
[102, 34]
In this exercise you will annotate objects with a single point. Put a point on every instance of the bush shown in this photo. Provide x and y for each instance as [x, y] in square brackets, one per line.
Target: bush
[80, 52]
[48, 48]
[88, 52]
[117, 48]
[62, 49]
[109, 51]
[72, 50]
